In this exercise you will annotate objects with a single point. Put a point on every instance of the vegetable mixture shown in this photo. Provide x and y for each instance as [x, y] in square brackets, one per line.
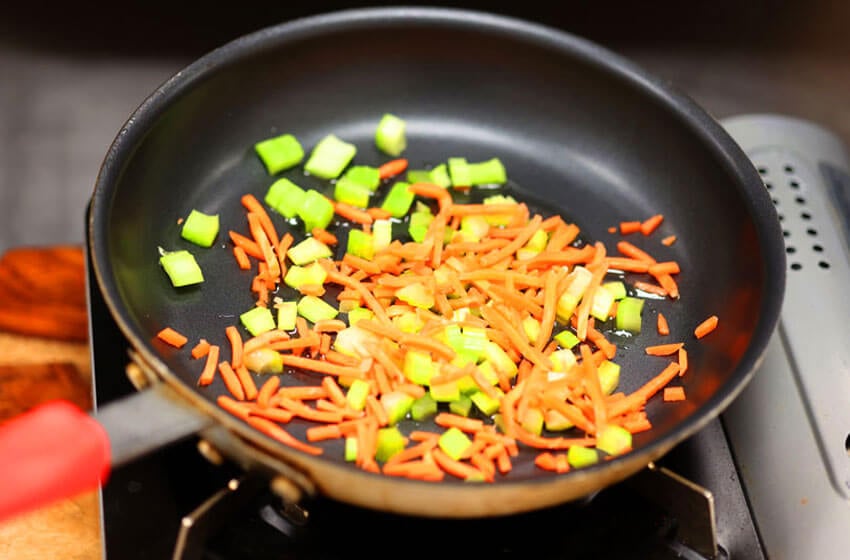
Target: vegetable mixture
[443, 336]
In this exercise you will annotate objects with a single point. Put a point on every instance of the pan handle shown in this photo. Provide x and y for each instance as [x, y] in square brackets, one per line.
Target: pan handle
[56, 450]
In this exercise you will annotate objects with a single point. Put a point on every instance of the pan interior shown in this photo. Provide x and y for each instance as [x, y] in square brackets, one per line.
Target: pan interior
[580, 136]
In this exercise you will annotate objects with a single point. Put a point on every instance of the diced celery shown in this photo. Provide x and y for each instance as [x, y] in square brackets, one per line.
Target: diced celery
[409, 322]
[364, 175]
[500, 359]
[567, 339]
[440, 176]
[264, 361]
[474, 341]
[532, 421]
[307, 251]
[390, 135]
[349, 192]
[360, 244]
[418, 226]
[285, 197]
[485, 403]
[329, 157]
[538, 241]
[398, 200]
[554, 421]
[351, 449]
[258, 320]
[423, 408]
[474, 228]
[357, 393]
[600, 307]
[297, 276]
[462, 406]
[563, 360]
[467, 385]
[389, 442]
[417, 295]
[629, 314]
[496, 219]
[531, 326]
[459, 172]
[454, 443]
[359, 313]
[382, 235]
[287, 312]
[418, 176]
[487, 371]
[487, 172]
[418, 367]
[200, 228]
[279, 153]
[613, 440]
[316, 309]
[316, 211]
[445, 392]
[579, 456]
[353, 341]
[397, 404]
[182, 268]
[609, 376]
[617, 289]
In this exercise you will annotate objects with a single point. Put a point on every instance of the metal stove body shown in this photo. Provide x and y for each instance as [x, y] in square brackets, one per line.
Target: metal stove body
[782, 495]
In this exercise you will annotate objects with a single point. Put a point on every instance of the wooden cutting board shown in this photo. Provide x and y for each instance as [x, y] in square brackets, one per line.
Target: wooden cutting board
[44, 355]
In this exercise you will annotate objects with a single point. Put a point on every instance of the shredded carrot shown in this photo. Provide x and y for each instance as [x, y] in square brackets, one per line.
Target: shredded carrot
[706, 327]
[352, 213]
[253, 206]
[449, 420]
[201, 349]
[324, 236]
[208, 373]
[648, 226]
[663, 326]
[268, 389]
[241, 258]
[683, 361]
[673, 394]
[249, 246]
[629, 227]
[172, 337]
[278, 433]
[663, 349]
[231, 381]
[236, 347]
[392, 168]
[669, 240]
[247, 382]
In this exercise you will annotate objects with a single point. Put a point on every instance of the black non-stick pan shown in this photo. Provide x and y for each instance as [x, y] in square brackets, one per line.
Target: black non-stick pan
[580, 131]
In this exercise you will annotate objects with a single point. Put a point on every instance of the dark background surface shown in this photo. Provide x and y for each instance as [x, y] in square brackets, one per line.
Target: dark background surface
[71, 73]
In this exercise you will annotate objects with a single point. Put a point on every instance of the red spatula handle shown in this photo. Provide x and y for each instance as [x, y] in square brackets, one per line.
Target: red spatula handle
[49, 453]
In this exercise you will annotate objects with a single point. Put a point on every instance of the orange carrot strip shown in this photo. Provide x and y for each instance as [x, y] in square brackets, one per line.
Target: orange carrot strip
[649, 225]
[241, 258]
[172, 337]
[668, 284]
[320, 433]
[321, 366]
[236, 346]
[631, 250]
[253, 205]
[521, 239]
[334, 391]
[572, 412]
[329, 325]
[517, 338]
[593, 386]
[247, 382]
[450, 420]
[248, 245]
[667, 267]
[201, 349]
[262, 239]
[706, 327]
[273, 413]
[629, 227]
[639, 397]
[430, 190]
[268, 389]
[231, 381]
[370, 300]
[335, 357]
[457, 469]
[663, 349]
[413, 452]
[663, 326]
[234, 407]
[683, 361]
[262, 340]
[545, 461]
[352, 213]
[376, 409]
[392, 168]
[669, 240]
[562, 236]
[568, 256]
[673, 394]
[650, 288]
[309, 413]
[210, 366]
[607, 347]
[360, 263]
[627, 264]
[308, 341]
[303, 392]
[274, 431]
[379, 213]
[323, 235]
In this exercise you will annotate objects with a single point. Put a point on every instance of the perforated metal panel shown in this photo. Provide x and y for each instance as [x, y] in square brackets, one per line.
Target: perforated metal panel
[789, 429]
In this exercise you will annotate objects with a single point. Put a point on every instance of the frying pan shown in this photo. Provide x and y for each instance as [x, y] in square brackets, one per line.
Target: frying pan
[580, 130]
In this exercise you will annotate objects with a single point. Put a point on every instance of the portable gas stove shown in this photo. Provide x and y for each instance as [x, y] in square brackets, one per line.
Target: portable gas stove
[769, 479]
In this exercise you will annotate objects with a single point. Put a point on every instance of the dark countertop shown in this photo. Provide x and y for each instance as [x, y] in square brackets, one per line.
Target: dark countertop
[67, 88]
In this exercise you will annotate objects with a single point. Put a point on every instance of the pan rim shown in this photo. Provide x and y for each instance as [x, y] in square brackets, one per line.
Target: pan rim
[699, 122]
